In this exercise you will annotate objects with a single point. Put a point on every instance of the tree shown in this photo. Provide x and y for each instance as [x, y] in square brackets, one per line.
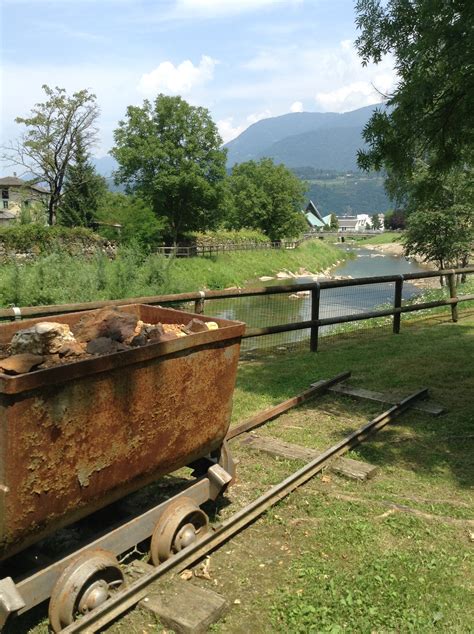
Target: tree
[334, 226]
[444, 238]
[430, 114]
[83, 191]
[267, 197]
[376, 224]
[53, 131]
[169, 153]
[440, 216]
[395, 220]
[139, 224]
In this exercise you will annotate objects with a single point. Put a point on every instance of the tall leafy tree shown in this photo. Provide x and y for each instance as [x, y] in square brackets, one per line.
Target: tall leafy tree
[440, 220]
[169, 153]
[267, 197]
[83, 191]
[138, 225]
[430, 114]
[53, 131]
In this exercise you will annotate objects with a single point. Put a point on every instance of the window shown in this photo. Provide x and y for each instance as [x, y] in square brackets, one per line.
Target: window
[5, 194]
[5, 204]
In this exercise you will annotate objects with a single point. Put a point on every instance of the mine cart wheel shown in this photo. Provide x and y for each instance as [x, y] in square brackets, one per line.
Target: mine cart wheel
[84, 585]
[181, 524]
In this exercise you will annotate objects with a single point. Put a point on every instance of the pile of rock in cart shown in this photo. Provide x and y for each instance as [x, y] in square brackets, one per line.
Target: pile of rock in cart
[103, 332]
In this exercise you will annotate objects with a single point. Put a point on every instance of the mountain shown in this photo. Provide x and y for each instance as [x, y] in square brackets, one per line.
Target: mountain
[324, 140]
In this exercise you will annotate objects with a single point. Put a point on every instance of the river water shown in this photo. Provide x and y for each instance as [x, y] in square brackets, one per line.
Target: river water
[262, 311]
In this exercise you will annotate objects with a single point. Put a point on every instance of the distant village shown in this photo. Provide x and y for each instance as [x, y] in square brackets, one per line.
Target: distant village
[360, 222]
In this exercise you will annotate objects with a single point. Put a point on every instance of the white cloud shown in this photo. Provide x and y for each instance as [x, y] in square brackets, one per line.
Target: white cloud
[177, 80]
[349, 97]
[296, 106]
[228, 130]
[214, 8]
[258, 116]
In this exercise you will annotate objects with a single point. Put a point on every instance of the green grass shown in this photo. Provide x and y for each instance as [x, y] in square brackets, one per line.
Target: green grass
[59, 278]
[355, 564]
[382, 238]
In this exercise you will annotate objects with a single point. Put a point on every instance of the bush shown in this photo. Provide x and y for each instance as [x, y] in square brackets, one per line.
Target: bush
[42, 239]
[223, 236]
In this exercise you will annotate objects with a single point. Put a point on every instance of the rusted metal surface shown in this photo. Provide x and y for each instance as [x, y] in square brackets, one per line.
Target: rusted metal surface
[78, 436]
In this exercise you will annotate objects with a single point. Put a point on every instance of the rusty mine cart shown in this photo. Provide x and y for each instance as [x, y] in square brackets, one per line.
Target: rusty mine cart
[77, 437]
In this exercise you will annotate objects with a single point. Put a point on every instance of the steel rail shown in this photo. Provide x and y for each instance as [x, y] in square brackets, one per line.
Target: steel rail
[133, 593]
[272, 412]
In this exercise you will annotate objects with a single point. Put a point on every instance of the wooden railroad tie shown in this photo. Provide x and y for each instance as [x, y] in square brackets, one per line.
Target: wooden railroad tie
[358, 392]
[347, 467]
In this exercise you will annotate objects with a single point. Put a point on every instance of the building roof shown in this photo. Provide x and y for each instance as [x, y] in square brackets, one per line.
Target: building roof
[14, 181]
[312, 209]
[313, 221]
[327, 219]
[347, 222]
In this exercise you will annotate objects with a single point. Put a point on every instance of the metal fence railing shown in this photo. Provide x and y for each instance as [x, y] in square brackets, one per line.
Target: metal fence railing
[291, 313]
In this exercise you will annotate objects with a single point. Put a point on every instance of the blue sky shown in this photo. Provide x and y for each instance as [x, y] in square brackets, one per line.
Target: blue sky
[242, 59]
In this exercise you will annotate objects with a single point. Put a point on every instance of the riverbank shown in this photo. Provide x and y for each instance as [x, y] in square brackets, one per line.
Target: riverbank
[60, 278]
[395, 248]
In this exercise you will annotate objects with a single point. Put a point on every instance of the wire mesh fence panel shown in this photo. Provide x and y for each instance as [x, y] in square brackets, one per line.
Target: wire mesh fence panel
[265, 310]
[355, 300]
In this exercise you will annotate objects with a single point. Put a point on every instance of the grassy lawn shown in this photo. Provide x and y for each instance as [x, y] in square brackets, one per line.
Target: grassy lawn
[393, 554]
[382, 238]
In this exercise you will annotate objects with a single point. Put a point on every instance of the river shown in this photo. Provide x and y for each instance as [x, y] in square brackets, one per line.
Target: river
[279, 309]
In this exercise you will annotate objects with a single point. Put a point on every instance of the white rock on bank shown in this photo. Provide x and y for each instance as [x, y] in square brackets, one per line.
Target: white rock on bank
[47, 337]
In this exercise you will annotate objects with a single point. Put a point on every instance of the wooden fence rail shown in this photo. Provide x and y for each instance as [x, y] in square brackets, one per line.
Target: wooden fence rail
[214, 249]
[314, 324]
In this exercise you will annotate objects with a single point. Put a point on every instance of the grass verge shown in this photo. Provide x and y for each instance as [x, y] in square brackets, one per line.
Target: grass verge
[59, 278]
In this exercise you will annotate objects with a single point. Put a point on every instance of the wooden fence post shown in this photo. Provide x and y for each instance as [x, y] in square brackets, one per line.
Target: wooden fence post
[315, 300]
[199, 304]
[453, 294]
[397, 303]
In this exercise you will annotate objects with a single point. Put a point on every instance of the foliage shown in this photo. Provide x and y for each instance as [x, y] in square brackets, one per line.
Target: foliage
[83, 190]
[394, 220]
[42, 239]
[334, 226]
[376, 223]
[134, 273]
[227, 236]
[139, 225]
[364, 193]
[53, 131]
[267, 197]
[169, 153]
[430, 113]
[440, 221]
[440, 236]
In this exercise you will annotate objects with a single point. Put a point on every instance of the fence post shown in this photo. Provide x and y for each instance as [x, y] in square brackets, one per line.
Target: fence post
[453, 294]
[315, 300]
[397, 303]
[199, 304]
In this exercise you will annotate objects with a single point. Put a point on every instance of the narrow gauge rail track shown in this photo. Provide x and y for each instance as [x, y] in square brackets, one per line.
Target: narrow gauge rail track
[127, 598]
